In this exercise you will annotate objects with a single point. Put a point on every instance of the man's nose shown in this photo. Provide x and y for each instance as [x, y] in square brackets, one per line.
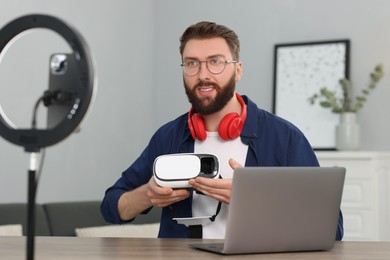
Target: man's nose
[204, 72]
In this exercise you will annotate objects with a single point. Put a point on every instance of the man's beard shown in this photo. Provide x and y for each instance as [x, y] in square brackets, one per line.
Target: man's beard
[222, 98]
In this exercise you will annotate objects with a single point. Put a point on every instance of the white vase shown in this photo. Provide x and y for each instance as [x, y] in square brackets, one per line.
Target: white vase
[347, 132]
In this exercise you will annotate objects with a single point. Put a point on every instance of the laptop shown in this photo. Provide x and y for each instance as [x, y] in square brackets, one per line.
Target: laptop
[281, 209]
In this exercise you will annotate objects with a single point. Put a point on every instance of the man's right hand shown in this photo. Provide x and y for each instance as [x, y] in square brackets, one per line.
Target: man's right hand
[133, 202]
[164, 196]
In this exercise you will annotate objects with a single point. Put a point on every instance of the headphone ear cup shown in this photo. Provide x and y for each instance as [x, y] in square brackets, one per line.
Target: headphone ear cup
[198, 129]
[191, 127]
[230, 126]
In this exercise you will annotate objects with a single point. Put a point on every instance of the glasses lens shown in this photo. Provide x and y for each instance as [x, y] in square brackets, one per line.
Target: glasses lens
[216, 65]
[191, 67]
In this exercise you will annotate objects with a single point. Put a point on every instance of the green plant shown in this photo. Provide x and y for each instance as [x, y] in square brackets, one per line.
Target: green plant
[346, 103]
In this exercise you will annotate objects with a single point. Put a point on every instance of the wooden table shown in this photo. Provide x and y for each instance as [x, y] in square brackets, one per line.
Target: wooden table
[74, 248]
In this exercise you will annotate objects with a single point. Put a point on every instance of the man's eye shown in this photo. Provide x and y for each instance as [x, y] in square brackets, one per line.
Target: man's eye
[215, 61]
[191, 63]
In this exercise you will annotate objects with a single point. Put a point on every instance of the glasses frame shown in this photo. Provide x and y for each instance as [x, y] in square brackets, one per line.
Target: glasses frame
[207, 66]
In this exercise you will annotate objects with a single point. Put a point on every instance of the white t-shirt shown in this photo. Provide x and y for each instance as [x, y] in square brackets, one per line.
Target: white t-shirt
[205, 206]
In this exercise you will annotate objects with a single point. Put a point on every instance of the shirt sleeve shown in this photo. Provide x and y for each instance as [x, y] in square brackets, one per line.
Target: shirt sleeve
[138, 174]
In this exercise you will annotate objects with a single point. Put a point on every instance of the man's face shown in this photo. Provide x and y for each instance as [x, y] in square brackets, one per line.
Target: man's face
[207, 92]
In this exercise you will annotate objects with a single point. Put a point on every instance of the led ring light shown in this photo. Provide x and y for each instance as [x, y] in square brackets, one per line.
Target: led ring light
[34, 139]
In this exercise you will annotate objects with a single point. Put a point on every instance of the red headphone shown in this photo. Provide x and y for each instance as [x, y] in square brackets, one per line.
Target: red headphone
[229, 128]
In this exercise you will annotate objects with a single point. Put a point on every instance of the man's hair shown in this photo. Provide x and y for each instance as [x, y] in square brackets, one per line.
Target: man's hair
[208, 30]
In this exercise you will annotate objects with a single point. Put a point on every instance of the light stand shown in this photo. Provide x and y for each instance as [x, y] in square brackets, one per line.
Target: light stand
[32, 187]
[67, 100]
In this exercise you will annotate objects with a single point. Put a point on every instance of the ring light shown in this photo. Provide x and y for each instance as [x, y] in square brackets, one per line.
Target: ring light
[34, 139]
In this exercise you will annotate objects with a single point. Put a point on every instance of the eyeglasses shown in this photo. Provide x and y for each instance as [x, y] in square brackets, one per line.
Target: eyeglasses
[215, 65]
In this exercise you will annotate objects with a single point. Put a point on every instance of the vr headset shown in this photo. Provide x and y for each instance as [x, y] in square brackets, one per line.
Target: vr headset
[174, 170]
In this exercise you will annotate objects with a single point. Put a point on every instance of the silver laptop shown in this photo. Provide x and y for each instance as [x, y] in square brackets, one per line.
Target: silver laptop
[282, 209]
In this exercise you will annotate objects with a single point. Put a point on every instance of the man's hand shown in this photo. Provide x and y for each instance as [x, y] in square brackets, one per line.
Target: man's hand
[219, 189]
[164, 196]
[133, 202]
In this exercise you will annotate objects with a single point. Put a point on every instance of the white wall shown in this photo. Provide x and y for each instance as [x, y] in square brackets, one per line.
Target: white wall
[135, 45]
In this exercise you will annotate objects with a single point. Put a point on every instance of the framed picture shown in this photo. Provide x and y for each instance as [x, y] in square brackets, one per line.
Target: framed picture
[300, 71]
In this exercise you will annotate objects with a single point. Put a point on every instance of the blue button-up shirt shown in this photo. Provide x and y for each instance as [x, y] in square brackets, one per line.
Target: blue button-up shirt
[271, 140]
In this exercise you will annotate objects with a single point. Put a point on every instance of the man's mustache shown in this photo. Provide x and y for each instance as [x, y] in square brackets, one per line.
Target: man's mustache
[205, 83]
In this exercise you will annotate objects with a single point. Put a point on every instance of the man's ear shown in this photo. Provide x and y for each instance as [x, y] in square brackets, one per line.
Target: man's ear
[238, 71]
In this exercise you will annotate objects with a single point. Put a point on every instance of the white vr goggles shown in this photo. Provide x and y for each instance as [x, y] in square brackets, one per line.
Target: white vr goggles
[174, 170]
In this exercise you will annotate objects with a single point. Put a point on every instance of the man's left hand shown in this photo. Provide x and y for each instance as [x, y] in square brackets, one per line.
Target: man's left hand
[219, 189]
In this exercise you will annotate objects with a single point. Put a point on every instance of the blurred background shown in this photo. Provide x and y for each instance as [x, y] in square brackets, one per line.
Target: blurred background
[135, 45]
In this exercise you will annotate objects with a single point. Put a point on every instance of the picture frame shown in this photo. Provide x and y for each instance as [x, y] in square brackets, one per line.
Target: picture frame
[300, 71]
